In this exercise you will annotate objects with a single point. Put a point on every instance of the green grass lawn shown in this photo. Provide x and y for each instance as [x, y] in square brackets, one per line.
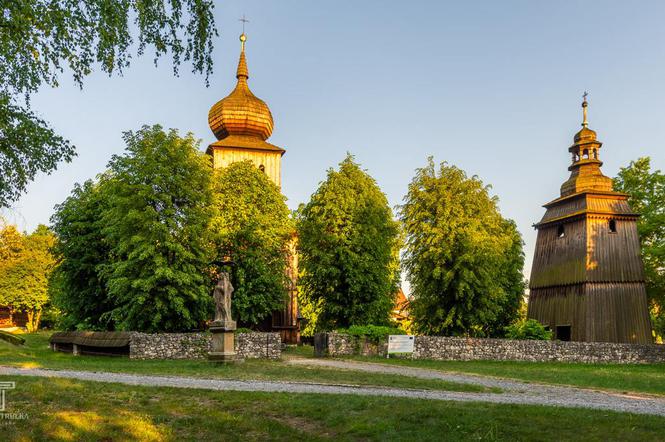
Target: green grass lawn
[36, 354]
[63, 409]
[636, 378]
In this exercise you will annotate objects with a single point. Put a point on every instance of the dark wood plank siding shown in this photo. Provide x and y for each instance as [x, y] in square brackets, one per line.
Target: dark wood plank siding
[598, 312]
[564, 305]
[560, 261]
[613, 256]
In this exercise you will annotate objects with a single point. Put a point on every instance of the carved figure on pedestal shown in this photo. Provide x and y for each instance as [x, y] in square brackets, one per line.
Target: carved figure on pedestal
[222, 296]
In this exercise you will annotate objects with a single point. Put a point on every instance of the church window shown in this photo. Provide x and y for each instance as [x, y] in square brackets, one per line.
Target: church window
[585, 155]
[613, 226]
[561, 231]
[262, 168]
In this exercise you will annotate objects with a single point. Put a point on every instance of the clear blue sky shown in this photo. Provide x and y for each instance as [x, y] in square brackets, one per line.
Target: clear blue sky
[492, 87]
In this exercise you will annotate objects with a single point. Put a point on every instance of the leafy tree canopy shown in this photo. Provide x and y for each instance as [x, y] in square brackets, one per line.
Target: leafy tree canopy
[253, 227]
[349, 250]
[647, 197]
[463, 259]
[25, 269]
[156, 221]
[79, 290]
[40, 38]
[145, 225]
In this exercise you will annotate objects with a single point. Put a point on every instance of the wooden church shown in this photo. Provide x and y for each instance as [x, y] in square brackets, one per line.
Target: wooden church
[587, 279]
[242, 123]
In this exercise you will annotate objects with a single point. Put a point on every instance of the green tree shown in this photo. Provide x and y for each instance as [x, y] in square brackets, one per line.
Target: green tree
[79, 289]
[40, 38]
[25, 273]
[11, 246]
[253, 227]
[349, 250]
[647, 197]
[463, 259]
[156, 224]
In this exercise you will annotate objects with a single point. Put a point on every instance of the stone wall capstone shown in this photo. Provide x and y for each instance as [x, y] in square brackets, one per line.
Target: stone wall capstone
[474, 349]
[197, 345]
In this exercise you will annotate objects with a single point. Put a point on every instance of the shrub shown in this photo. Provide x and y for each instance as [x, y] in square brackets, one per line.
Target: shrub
[375, 333]
[241, 330]
[528, 329]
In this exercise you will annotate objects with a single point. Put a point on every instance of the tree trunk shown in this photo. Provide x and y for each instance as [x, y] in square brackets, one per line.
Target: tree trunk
[34, 315]
[28, 325]
[37, 318]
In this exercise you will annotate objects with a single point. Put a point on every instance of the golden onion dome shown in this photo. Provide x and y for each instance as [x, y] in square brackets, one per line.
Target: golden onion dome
[585, 134]
[241, 112]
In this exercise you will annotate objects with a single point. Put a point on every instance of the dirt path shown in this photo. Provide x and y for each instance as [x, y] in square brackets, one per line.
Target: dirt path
[514, 392]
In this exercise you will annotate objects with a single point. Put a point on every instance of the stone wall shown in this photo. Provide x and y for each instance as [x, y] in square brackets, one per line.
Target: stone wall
[473, 349]
[259, 345]
[197, 345]
[470, 349]
[340, 344]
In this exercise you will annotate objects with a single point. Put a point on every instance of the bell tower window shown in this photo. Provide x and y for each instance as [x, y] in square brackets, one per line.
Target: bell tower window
[561, 231]
[613, 226]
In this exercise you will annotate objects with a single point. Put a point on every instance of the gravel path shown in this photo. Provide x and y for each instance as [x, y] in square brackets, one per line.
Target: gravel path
[514, 392]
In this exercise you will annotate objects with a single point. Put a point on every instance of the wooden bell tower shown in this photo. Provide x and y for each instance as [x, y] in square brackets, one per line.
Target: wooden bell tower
[587, 279]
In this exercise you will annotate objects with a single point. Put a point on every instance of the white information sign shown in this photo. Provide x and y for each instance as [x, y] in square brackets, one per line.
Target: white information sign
[400, 343]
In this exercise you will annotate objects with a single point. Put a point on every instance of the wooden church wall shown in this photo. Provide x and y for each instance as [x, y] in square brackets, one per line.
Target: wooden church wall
[271, 161]
[560, 261]
[552, 306]
[613, 256]
[616, 313]
[602, 312]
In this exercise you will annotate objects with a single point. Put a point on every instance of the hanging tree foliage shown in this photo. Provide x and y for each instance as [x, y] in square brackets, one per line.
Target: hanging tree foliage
[349, 245]
[463, 259]
[40, 38]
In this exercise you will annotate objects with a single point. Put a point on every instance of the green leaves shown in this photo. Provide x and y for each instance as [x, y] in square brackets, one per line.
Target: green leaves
[27, 146]
[252, 226]
[26, 264]
[528, 329]
[39, 39]
[157, 218]
[136, 246]
[349, 246]
[647, 197]
[463, 260]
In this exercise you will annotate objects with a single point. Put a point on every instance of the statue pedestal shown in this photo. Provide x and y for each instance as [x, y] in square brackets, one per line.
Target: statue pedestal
[223, 341]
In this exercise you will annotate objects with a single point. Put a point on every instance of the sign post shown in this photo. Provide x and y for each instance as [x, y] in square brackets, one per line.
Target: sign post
[400, 344]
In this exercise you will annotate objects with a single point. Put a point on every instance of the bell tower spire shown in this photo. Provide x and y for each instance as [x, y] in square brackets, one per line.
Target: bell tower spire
[242, 72]
[585, 123]
[585, 167]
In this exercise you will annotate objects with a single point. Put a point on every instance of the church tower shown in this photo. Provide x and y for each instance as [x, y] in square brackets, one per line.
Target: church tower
[587, 279]
[242, 123]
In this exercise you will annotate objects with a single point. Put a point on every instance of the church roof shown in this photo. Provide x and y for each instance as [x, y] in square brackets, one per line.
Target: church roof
[241, 113]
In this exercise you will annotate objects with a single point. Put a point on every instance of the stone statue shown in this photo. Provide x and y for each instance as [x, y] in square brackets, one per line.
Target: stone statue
[223, 341]
[222, 297]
